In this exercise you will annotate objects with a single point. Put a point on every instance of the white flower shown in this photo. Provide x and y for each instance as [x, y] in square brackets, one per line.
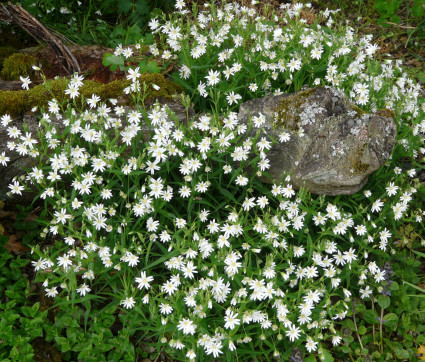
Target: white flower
[336, 340]
[391, 189]
[214, 348]
[262, 202]
[180, 223]
[39, 264]
[259, 121]
[169, 287]
[25, 82]
[311, 345]
[201, 89]
[133, 74]
[191, 354]
[366, 292]
[62, 216]
[263, 144]
[213, 77]
[350, 255]
[152, 224]
[187, 326]
[233, 98]
[231, 320]
[83, 289]
[3, 159]
[154, 24]
[72, 90]
[294, 64]
[64, 261]
[189, 270]
[284, 137]
[165, 308]
[93, 100]
[131, 259]
[293, 333]
[377, 206]
[184, 191]
[128, 302]
[241, 180]
[143, 281]
[51, 292]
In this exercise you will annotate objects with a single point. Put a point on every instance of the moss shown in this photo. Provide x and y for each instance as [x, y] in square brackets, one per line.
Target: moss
[17, 65]
[360, 112]
[12, 102]
[5, 52]
[104, 91]
[288, 109]
[40, 94]
[356, 163]
[387, 113]
[16, 103]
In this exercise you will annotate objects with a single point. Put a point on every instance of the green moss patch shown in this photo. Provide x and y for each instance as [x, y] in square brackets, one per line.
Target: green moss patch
[16, 103]
[5, 52]
[17, 65]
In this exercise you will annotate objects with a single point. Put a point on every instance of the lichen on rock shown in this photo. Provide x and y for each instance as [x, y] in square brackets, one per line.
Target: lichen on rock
[333, 146]
[287, 114]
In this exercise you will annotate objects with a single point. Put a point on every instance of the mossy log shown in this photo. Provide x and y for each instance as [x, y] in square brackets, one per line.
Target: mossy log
[19, 102]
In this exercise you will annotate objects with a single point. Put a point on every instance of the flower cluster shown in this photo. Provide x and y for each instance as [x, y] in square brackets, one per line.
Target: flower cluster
[171, 212]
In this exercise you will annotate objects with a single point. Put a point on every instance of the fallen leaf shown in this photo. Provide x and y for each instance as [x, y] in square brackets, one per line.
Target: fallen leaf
[421, 352]
[7, 214]
[15, 246]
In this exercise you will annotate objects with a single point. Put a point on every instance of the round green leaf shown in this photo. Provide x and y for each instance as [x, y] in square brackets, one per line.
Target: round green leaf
[384, 301]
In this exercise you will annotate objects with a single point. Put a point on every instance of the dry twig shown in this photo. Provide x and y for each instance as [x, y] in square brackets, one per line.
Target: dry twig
[18, 15]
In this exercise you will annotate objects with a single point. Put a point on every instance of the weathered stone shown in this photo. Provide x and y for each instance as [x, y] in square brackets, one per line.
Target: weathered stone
[334, 146]
[18, 163]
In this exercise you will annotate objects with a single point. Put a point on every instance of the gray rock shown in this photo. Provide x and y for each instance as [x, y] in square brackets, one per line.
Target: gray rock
[334, 146]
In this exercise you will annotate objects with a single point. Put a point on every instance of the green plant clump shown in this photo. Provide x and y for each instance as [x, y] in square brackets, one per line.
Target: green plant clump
[17, 65]
[173, 243]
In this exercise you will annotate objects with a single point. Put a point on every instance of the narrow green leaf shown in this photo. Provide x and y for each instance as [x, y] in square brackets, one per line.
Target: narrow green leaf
[227, 194]
[415, 287]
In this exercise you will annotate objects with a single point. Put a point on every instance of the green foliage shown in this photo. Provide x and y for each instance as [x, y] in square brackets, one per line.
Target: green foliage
[390, 328]
[21, 320]
[107, 22]
[389, 9]
[113, 61]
